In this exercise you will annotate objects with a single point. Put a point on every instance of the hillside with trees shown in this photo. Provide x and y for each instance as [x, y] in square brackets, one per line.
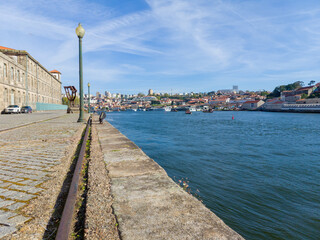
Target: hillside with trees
[292, 86]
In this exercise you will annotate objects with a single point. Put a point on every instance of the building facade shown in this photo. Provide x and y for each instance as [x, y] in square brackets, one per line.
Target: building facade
[252, 105]
[24, 81]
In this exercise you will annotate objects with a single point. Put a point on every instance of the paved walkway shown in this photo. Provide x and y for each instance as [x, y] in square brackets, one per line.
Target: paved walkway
[8, 121]
[27, 156]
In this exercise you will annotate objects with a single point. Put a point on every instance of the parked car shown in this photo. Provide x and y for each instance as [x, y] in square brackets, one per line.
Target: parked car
[26, 109]
[12, 109]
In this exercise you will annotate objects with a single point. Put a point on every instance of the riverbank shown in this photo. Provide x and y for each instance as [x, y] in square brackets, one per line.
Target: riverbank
[258, 172]
[147, 203]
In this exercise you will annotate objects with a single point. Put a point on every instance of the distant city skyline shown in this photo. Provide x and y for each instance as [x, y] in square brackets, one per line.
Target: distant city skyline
[177, 46]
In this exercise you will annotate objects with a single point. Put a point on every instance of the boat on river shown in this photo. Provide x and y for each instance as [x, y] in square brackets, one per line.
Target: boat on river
[188, 111]
[208, 111]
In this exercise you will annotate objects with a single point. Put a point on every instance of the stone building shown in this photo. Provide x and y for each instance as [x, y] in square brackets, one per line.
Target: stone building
[252, 105]
[24, 81]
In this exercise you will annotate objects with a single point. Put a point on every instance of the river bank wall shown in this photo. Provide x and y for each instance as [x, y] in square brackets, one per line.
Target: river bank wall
[147, 203]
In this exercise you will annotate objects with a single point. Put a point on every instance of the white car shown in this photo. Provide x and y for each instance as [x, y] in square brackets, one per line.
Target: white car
[12, 109]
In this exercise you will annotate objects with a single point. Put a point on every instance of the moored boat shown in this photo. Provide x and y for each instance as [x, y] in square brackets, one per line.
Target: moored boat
[167, 109]
[188, 111]
[208, 111]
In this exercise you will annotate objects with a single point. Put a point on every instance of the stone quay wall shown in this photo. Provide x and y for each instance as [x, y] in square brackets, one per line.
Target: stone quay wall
[147, 203]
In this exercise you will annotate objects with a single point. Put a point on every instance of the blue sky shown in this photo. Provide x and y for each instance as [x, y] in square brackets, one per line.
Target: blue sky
[170, 45]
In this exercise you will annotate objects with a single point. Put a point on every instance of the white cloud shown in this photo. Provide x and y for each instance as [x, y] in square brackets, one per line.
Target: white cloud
[170, 38]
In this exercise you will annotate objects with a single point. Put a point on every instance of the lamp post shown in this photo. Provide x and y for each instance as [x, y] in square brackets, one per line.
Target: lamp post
[88, 97]
[80, 33]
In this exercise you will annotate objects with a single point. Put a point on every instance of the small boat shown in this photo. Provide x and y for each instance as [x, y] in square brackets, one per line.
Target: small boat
[208, 111]
[174, 110]
[167, 109]
[188, 111]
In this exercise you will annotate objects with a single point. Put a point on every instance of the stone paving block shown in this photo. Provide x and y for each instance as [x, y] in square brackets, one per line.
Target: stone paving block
[7, 193]
[27, 182]
[4, 216]
[6, 230]
[21, 196]
[15, 206]
[5, 203]
[17, 220]
[5, 184]
[29, 189]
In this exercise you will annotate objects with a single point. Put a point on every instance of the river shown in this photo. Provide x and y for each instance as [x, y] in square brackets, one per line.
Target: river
[259, 172]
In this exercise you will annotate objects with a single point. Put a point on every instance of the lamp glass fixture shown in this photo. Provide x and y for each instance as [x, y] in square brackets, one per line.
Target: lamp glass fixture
[80, 31]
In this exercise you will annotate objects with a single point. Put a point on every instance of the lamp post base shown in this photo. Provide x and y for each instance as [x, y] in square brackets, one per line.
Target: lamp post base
[81, 120]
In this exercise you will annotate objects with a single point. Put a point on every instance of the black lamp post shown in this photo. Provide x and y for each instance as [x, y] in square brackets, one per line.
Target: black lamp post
[80, 33]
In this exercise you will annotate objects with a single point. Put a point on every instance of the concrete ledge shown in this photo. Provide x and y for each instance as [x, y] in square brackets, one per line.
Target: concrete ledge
[147, 203]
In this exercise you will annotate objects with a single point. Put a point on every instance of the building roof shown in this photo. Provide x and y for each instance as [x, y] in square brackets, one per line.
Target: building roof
[256, 101]
[304, 88]
[55, 71]
[1, 47]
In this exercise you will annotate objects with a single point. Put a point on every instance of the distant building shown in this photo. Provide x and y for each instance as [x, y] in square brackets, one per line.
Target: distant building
[108, 94]
[235, 88]
[150, 92]
[24, 81]
[252, 105]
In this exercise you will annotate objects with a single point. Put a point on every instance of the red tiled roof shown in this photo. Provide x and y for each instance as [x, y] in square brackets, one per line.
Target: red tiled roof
[55, 71]
[304, 88]
[252, 101]
[5, 48]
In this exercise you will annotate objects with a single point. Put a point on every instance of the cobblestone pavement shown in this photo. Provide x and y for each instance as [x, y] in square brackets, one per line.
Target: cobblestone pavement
[8, 121]
[27, 156]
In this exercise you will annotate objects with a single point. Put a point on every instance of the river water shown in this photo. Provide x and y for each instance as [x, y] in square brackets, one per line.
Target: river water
[260, 173]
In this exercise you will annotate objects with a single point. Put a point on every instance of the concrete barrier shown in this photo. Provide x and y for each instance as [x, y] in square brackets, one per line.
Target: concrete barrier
[147, 203]
[50, 106]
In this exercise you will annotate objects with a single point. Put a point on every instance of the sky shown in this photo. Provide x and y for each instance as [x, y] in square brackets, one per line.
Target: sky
[131, 46]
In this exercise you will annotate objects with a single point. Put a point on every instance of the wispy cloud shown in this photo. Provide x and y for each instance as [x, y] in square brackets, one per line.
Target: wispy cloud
[172, 43]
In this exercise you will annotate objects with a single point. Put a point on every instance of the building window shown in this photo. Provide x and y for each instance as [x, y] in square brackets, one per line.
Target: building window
[5, 96]
[4, 70]
[18, 76]
[12, 74]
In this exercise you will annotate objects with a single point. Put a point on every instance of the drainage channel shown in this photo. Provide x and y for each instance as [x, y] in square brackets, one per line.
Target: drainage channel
[66, 222]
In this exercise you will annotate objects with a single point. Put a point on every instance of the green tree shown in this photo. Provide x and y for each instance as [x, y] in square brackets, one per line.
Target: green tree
[304, 96]
[292, 86]
[65, 101]
[311, 82]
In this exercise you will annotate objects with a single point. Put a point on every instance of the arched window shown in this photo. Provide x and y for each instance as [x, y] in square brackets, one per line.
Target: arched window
[5, 73]
[12, 75]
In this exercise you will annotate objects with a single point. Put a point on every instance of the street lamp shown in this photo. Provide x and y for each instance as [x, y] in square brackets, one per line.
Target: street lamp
[88, 97]
[80, 33]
